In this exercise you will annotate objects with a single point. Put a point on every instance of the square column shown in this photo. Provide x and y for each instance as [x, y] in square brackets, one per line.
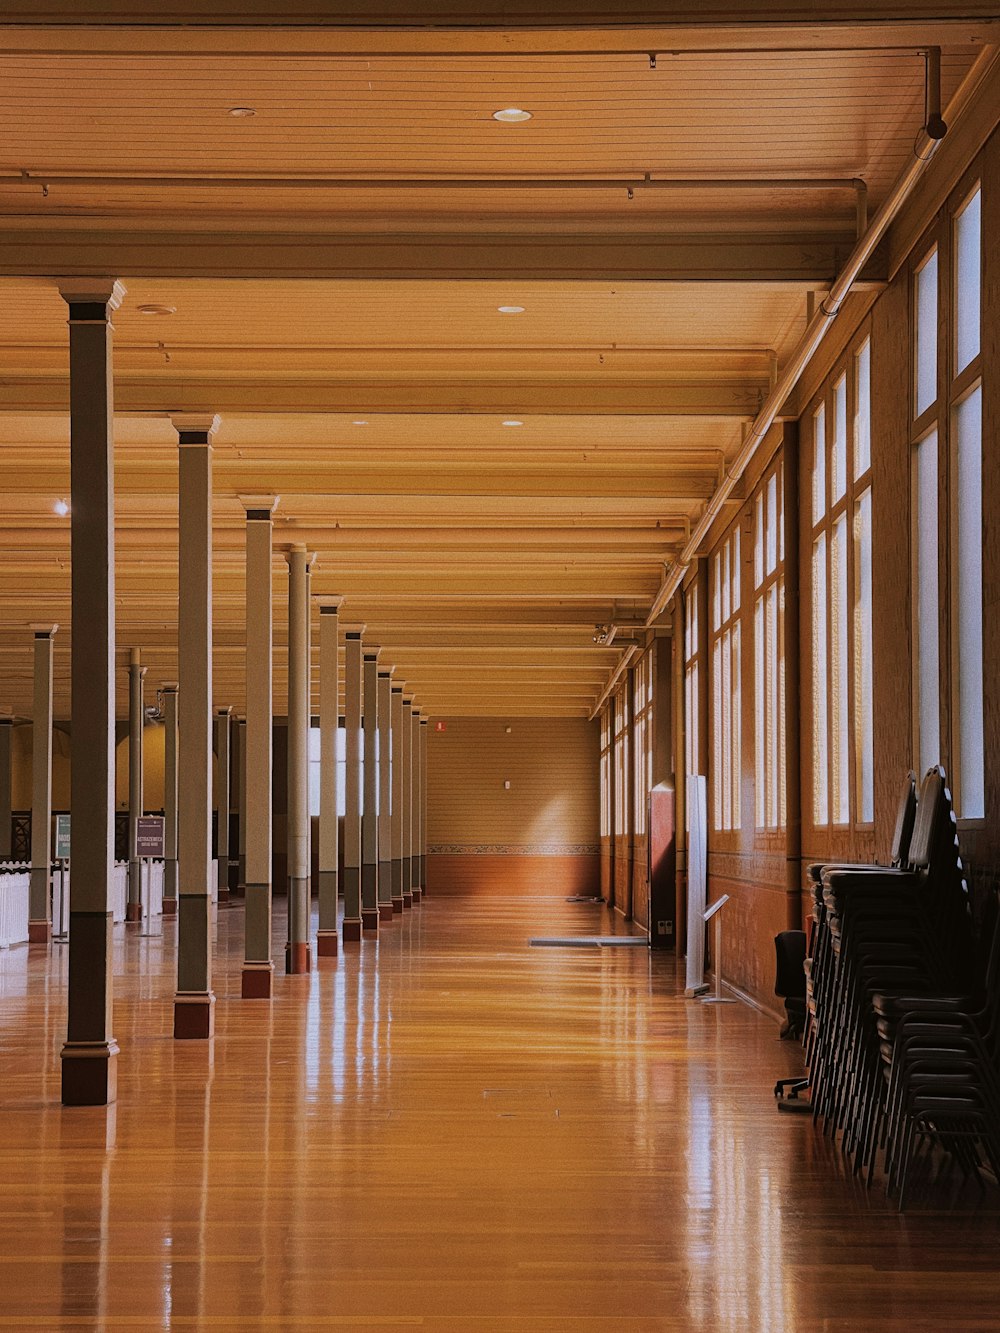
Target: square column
[136, 677]
[352, 793]
[422, 759]
[415, 886]
[384, 795]
[396, 796]
[406, 803]
[239, 889]
[169, 692]
[6, 732]
[369, 809]
[298, 956]
[329, 804]
[40, 891]
[257, 758]
[223, 767]
[194, 1003]
[89, 1057]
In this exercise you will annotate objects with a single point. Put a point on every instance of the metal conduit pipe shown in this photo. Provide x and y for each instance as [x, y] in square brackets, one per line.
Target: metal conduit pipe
[924, 148]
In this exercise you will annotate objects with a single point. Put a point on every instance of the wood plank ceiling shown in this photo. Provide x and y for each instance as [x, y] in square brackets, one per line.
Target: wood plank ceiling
[480, 554]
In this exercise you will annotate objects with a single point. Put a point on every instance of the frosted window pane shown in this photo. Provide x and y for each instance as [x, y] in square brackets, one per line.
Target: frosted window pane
[926, 334]
[968, 282]
[772, 523]
[759, 737]
[838, 447]
[821, 749]
[725, 582]
[758, 542]
[716, 592]
[863, 651]
[736, 569]
[968, 433]
[926, 538]
[819, 464]
[863, 411]
[839, 690]
[737, 744]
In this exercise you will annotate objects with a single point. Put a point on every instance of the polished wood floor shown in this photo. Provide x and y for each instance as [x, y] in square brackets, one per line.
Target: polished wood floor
[451, 1131]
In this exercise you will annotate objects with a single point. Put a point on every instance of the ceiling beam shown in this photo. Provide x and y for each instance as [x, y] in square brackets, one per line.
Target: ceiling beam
[40, 246]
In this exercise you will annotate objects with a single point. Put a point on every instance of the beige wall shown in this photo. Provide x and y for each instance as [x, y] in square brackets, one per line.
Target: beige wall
[541, 835]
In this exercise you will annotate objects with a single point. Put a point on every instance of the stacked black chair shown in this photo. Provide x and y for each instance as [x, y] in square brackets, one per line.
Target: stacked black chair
[887, 942]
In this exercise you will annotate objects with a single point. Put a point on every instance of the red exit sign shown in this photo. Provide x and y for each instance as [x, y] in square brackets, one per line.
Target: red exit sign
[440, 726]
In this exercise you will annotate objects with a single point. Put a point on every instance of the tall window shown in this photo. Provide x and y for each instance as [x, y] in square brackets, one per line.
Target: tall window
[314, 770]
[947, 504]
[606, 783]
[769, 650]
[691, 664]
[726, 708]
[841, 523]
[621, 759]
[642, 748]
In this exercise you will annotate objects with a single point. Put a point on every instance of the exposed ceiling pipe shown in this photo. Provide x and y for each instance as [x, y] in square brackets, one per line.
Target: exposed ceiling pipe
[924, 147]
[616, 676]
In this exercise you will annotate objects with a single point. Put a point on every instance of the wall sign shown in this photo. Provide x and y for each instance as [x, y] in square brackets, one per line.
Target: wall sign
[62, 837]
[149, 836]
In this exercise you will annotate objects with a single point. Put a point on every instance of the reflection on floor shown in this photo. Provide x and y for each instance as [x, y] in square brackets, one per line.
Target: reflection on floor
[447, 1130]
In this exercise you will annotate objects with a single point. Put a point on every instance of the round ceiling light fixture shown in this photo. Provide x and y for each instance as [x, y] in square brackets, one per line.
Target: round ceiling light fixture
[242, 112]
[61, 508]
[512, 422]
[359, 423]
[512, 115]
[510, 309]
[154, 309]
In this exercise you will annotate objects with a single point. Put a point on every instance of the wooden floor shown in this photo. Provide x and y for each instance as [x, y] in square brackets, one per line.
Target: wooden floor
[449, 1130]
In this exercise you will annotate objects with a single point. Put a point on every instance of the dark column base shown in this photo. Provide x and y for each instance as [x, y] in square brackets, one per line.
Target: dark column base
[408, 899]
[369, 919]
[397, 906]
[352, 930]
[133, 913]
[170, 907]
[327, 944]
[224, 897]
[89, 1073]
[417, 895]
[257, 981]
[385, 911]
[298, 958]
[194, 1017]
[39, 932]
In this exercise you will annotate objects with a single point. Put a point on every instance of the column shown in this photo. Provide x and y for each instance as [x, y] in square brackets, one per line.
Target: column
[415, 809]
[194, 1004]
[40, 897]
[239, 890]
[169, 692]
[298, 958]
[223, 768]
[329, 818]
[136, 676]
[422, 759]
[369, 808]
[396, 797]
[6, 733]
[406, 804]
[255, 810]
[352, 790]
[384, 794]
[89, 1057]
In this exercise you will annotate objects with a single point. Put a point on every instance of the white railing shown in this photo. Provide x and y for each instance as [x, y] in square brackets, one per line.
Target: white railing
[13, 908]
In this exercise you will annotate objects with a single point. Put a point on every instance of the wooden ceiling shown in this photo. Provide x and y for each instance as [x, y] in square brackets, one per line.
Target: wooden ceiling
[481, 555]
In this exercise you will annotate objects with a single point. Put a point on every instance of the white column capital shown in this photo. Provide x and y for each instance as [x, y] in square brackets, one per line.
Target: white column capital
[354, 631]
[424, 721]
[169, 687]
[326, 603]
[92, 291]
[196, 422]
[224, 712]
[386, 671]
[371, 652]
[298, 549]
[42, 629]
[259, 504]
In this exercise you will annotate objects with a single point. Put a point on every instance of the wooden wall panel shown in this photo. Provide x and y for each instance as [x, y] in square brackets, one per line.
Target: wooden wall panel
[640, 881]
[541, 834]
[514, 876]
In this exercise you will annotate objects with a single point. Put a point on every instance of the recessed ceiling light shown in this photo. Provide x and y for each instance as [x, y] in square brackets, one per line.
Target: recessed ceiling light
[157, 309]
[512, 115]
[359, 423]
[61, 508]
[512, 423]
[511, 309]
[242, 112]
